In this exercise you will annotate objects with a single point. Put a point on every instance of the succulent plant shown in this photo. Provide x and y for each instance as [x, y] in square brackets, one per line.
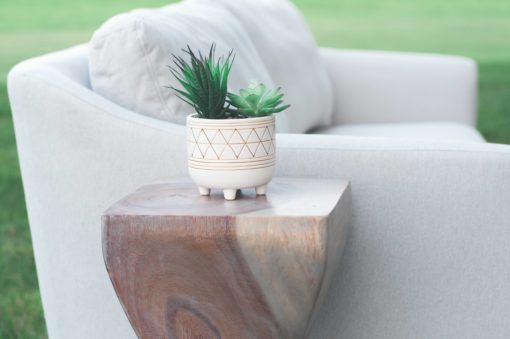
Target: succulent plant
[204, 82]
[256, 101]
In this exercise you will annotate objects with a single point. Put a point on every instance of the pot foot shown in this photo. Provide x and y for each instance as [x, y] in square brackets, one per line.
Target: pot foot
[204, 190]
[230, 194]
[261, 190]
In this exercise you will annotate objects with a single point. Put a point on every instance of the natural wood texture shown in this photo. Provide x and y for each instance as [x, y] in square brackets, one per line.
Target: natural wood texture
[191, 266]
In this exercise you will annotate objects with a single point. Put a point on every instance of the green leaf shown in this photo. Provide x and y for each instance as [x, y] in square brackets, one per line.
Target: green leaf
[253, 101]
[238, 101]
[204, 82]
[256, 100]
[280, 109]
[259, 90]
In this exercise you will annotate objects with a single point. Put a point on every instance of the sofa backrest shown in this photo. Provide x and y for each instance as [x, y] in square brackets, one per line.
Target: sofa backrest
[130, 53]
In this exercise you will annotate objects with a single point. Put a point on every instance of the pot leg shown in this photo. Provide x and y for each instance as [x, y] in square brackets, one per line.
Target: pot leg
[230, 194]
[204, 190]
[261, 190]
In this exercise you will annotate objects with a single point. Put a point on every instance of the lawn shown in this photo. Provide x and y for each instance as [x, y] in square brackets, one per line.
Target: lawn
[478, 29]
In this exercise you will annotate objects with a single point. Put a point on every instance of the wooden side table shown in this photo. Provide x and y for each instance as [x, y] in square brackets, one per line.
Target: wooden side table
[189, 266]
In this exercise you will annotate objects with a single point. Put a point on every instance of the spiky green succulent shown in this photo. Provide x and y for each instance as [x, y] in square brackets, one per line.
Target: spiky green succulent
[204, 82]
[257, 101]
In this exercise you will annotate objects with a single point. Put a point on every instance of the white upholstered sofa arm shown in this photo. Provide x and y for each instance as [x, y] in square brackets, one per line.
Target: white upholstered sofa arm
[78, 154]
[429, 237]
[385, 87]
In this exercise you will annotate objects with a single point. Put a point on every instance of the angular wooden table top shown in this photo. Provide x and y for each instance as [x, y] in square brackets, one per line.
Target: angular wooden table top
[191, 266]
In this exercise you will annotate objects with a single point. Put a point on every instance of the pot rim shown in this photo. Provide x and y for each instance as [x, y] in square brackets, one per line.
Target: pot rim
[228, 122]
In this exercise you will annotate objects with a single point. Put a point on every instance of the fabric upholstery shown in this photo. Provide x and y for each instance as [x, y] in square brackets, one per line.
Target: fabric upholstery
[427, 255]
[386, 87]
[427, 252]
[288, 49]
[130, 52]
[433, 131]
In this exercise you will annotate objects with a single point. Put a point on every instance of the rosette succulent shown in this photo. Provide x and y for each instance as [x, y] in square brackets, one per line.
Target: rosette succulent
[257, 101]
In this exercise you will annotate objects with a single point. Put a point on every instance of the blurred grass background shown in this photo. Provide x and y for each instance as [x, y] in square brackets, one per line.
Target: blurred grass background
[478, 29]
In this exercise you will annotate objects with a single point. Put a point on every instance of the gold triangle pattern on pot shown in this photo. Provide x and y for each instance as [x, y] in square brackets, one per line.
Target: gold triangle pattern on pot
[231, 143]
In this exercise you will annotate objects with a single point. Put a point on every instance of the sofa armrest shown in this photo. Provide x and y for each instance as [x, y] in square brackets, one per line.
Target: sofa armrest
[385, 87]
[78, 154]
[429, 237]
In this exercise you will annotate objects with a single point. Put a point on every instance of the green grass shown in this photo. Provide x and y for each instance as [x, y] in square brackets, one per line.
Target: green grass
[478, 29]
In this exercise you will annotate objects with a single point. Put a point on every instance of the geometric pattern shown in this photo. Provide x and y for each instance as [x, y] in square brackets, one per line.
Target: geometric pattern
[225, 143]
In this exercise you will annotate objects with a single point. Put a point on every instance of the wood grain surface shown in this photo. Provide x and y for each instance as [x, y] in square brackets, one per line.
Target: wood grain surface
[189, 266]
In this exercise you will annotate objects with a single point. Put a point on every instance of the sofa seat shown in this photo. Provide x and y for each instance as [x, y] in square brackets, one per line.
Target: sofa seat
[435, 131]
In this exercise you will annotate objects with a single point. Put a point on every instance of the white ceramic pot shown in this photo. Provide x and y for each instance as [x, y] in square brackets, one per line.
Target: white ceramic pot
[231, 154]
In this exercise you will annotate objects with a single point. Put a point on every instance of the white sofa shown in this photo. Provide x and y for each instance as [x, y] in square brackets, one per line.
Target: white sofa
[428, 254]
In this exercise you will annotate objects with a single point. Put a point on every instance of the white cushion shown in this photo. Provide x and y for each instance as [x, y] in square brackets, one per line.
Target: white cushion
[289, 52]
[433, 131]
[129, 55]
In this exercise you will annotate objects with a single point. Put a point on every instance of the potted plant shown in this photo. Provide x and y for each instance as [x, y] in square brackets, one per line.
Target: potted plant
[231, 137]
